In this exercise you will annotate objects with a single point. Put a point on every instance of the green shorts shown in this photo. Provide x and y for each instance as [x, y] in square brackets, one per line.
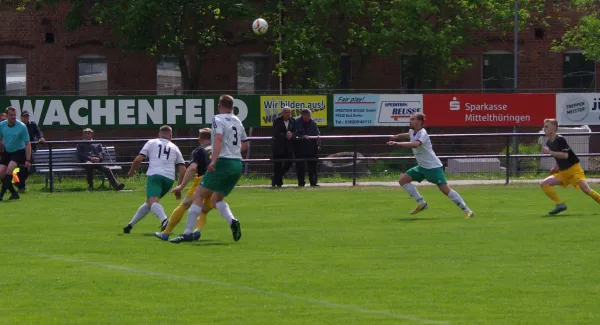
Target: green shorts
[433, 175]
[225, 177]
[158, 186]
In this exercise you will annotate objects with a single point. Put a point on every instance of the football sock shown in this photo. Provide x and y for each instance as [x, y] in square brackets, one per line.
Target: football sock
[140, 214]
[7, 184]
[551, 193]
[159, 211]
[201, 221]
[175, 218]
[595, 196]
[455, 197]
[192, 217]
[225, 211]
[412, 191]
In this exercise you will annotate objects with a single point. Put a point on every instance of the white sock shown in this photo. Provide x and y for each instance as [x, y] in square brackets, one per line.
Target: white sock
[140, 214]
[412, 191]
[455, 197]
[225, 211]
[192, 217]
[159, 211]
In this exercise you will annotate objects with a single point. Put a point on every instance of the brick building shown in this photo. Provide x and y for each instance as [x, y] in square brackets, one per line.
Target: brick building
[39, 56]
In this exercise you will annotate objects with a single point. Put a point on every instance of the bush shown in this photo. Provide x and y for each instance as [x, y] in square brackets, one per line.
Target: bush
[525, 164]
[393, 165]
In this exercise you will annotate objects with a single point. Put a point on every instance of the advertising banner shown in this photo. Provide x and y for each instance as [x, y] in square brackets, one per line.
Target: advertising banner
[489, 109]
[271, 106]
[578, 109]
[128, 112]
[375, 110]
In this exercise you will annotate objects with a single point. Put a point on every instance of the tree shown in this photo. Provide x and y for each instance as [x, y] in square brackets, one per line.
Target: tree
[584, 33]
[429, 33]
[315, 34]
[183, 29]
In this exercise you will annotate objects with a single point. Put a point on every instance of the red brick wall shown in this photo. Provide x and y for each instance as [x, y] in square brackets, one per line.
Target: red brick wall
[52, 67]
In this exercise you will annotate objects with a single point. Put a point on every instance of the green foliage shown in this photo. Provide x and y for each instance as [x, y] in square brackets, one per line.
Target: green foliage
[185, 30]
[393, 166]
[583, 34]
[430, 32]
[525, 164]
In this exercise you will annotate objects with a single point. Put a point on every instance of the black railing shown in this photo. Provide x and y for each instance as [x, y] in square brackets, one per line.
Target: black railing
[349, 140]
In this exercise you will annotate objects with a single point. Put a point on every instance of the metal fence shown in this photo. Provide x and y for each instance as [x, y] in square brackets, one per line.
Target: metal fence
[482, 156]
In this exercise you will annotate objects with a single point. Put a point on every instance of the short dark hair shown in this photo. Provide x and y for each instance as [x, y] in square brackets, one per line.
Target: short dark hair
[305, 111]
[420, 117]
[226, 101]
[10, 109]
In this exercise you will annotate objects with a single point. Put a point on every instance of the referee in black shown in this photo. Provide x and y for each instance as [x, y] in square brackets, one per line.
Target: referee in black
[35, 134]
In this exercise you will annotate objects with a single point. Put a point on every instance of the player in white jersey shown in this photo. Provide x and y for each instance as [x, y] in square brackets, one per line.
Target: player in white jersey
[429, 166]
[225, 169]
[163, 155]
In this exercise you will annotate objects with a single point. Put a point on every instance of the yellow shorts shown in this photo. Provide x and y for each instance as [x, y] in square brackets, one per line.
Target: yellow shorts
[571, 176]
[207, 203]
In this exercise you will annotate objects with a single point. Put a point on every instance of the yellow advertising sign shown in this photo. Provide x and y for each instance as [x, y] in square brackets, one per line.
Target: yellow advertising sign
[271, 106]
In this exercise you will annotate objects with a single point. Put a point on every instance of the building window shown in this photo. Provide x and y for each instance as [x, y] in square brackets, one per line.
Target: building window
[579, 74]
[498, 71]
[14, 81]
[253, 74]
[413, 80]
[92, 76]
[168, 76]
[345, 72]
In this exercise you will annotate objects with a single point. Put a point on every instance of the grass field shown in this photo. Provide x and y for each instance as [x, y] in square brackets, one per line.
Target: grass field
[307, 256]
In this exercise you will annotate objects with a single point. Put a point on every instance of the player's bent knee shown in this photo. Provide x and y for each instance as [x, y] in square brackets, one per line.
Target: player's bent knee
[151, 201]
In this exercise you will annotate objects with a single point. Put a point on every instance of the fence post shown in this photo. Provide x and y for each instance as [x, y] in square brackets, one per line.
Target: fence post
[515, 145]
[354, 156]
[507, 159]
[50, 169]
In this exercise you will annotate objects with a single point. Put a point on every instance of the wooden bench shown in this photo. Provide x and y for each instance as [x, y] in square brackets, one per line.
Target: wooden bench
[65, 162]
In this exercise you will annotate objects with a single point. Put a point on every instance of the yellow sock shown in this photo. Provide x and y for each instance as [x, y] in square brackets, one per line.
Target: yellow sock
[201, 221]
[175, 218]
[595, 196]
[551, 193]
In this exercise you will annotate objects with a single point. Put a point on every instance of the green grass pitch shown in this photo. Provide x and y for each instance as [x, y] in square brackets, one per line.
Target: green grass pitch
[307, 256]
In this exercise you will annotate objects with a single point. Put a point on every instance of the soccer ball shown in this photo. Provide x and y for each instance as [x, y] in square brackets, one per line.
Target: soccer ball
[260, 26]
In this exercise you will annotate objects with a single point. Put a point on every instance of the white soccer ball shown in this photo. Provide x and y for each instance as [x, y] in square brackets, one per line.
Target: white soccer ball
[260, 26]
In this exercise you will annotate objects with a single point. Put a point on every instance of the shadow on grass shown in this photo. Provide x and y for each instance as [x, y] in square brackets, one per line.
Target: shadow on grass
[416, 219]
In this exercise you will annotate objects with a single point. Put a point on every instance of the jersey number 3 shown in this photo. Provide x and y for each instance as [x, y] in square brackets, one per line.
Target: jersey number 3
[167, 151]
[235, 136]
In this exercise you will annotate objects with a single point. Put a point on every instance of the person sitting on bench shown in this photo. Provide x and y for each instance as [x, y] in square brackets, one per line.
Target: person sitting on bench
[93, 153]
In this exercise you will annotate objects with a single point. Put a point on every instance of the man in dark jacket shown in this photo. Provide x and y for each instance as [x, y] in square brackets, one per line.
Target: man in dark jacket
[283, 145]
[35, 134]
[306, 148]
[93, 153]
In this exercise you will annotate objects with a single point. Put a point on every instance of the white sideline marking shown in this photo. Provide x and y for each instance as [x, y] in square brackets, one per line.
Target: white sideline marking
[324, 303]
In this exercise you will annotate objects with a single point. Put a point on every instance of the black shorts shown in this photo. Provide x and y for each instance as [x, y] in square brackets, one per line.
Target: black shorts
[17, 156]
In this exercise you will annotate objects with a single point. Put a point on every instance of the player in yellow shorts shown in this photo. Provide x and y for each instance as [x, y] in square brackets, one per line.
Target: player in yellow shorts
[198, 163]
[567, 170]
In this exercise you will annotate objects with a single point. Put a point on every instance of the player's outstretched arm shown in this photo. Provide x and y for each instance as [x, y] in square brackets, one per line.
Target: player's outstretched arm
[400, 136]
[136, 164]
[555, 154]
[187, 176]
[410, 145]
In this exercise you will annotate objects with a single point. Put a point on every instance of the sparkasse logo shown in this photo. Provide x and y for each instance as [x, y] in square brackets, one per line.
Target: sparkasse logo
[454, 104]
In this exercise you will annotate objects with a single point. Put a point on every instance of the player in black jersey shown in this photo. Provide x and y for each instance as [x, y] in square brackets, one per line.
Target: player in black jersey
[567, 170]
[198, 164]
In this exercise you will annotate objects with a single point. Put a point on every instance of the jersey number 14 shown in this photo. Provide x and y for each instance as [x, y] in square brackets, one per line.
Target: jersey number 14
[167, 151]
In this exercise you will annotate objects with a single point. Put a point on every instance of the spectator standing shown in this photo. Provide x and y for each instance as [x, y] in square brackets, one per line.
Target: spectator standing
[306, 148]
[283, 145]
